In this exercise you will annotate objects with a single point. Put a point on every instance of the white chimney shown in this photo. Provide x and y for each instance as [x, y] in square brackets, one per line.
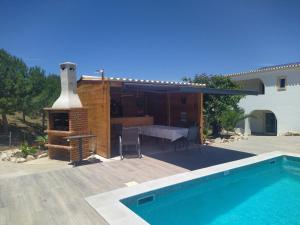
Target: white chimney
[68, 97]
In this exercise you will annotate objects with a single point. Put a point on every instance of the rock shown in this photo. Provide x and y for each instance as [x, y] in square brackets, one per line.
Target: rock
[225, 140]
[43, 155]
[207, 142]
[292, 134]
[4, 156]
[230, 132]
[13, 159]
[18, 155]
[211, 140]
[234, 138]
[20, 160]
[15, 150]
[30, 157]
[225, 132]
[239, 131]
[9, 154]
[93, 158]
[218, 140]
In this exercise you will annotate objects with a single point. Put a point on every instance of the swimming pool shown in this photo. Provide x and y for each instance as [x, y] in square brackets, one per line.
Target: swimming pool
[259, 190]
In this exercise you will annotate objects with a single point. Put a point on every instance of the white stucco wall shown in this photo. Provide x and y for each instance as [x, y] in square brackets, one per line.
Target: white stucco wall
[284, 104]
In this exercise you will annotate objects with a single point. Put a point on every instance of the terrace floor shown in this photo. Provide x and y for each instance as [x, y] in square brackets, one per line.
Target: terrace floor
[57, 196]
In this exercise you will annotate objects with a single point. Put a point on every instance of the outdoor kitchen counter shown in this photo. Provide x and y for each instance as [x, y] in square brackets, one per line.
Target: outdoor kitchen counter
[132, 121]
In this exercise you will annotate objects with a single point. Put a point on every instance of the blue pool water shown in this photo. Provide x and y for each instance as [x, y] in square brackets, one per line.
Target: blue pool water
[260, 194]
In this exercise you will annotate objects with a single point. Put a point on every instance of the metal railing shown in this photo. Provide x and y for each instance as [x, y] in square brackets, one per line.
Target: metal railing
[8, 136]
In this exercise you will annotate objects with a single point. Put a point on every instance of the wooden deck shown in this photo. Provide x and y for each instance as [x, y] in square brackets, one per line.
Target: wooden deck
[57, 197]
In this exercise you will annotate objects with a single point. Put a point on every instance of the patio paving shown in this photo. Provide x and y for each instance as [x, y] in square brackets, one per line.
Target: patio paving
[263, 144]
[57, 196]
[9, 169]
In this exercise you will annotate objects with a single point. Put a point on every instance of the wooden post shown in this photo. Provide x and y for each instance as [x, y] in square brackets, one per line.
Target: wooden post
[9, 138]
[108, 116]
[169, 109]
[106, 108]
[200, 118]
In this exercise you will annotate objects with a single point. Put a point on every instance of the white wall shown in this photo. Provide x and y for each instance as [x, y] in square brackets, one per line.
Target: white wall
[284, 104]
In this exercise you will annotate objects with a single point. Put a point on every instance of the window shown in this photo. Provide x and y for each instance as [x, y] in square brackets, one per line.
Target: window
[281, 83]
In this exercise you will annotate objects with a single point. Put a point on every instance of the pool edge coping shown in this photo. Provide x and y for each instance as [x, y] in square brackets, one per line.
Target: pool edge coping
[108, 204]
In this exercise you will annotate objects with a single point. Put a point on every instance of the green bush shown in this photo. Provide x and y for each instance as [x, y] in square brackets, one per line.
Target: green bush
[27, 150]
[230, 118]
[41, 141]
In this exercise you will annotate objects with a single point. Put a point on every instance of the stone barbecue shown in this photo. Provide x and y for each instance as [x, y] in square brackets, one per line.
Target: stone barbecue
[67, 118]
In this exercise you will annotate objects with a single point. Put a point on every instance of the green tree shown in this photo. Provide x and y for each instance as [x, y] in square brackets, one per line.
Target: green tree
[218, 107]
[49, 94]
[34, 83]
[25, 90]
[42, 91]
[12, 76]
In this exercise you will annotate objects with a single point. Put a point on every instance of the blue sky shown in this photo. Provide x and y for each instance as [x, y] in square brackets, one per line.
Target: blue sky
[152, 39]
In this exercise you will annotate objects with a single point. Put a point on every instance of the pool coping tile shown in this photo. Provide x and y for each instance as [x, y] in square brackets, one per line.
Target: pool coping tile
[108, 204]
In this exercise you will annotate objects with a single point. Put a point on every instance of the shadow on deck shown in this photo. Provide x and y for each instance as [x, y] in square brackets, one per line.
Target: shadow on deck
[199, 157]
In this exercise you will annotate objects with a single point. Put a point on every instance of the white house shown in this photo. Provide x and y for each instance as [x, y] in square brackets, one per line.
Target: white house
[276, 110]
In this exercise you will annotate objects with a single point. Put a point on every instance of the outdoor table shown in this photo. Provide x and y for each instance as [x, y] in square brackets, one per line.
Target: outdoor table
[79, 138]
[164, 132]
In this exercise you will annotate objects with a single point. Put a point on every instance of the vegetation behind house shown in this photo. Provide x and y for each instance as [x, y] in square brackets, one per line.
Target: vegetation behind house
[221, 111]
[24, 91]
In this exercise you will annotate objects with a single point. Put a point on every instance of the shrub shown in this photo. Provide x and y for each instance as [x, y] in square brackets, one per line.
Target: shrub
[41, 141]
[27, 150]
[230, 118]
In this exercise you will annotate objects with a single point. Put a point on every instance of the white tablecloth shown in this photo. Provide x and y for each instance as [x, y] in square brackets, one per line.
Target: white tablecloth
[166, 132]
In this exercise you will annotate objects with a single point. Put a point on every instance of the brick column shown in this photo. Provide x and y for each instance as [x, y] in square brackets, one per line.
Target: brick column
[78, 125]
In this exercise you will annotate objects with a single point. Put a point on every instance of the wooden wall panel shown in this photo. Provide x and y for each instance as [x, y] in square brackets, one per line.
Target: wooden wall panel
[96, 97]
[157, 107]
[129, 105]
[177, 106]
[128, 101]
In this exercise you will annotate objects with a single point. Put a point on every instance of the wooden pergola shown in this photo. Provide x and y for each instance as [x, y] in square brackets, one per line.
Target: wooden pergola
[141, 102]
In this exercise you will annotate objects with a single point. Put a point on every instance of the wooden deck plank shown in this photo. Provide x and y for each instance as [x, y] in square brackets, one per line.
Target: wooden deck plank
[57, 197]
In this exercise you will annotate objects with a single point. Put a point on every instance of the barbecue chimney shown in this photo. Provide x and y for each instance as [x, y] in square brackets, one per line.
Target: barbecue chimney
[68, 97]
